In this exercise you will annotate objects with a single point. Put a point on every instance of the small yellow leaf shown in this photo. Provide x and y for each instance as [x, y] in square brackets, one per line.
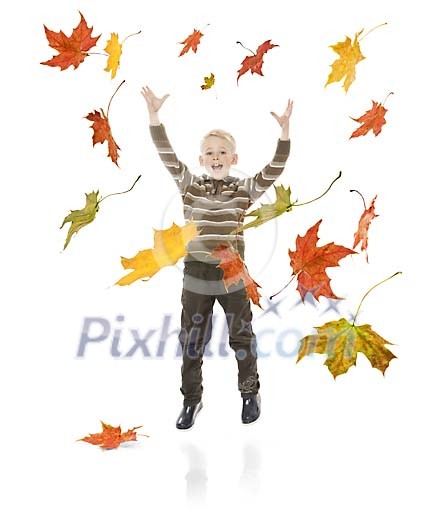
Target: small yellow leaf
[208, 82]
[169, 247]
[114, 50]
[350, 55]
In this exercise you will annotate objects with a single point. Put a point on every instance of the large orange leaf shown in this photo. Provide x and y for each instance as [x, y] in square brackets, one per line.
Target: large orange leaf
[373, 120]
[350, 55]
[169, 246]
[309, 263]
[111, 437]
[72, 49]
[361, 235]
[191, 42]
[102, 132]
[235, 270]
[342, 341]
[254, 63]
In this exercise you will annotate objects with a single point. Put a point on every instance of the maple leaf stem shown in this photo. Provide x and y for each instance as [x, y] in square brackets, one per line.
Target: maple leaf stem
[250, 50]
[370, 289]
[373, 29]
[120, 192]
[322, 195]
[133, 34]
[364, 203]
[289, 282]
[143, 435]
[391, 93]
[109, 103]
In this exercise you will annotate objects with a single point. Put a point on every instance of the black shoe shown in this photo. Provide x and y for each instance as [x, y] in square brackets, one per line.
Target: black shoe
[251, 408]
[187, 416]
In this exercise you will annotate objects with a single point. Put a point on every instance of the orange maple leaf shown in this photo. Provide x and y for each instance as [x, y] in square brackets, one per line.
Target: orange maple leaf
[309, 263]
[169, 246]
[191, 42]
[72, 49]
[234, 270]
[372, 120]
[363, 227]
[102, 132]
[111, 437]
[254, 63]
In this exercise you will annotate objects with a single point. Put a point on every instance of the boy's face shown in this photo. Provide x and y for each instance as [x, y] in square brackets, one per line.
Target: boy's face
[217, 157]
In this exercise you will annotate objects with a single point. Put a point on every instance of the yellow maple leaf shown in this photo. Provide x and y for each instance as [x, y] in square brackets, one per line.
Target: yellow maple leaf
[208, 81]
[169, 247]
[350, 55]
[114, 50]
[341, 341]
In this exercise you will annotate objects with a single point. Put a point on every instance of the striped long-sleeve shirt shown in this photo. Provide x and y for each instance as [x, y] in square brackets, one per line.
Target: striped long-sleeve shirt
[217, 206]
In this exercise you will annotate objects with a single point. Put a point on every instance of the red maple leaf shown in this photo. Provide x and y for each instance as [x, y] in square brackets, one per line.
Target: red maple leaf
[102, 132]
[191, 42]
[235, 270]
[254, 63]
[72, 49]
[111, 437]
[372, 120]
[309, 263]
[363, 227]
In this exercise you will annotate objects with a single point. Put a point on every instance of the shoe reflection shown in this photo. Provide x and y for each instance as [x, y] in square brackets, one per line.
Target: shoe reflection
[196, 475]
[249, 481]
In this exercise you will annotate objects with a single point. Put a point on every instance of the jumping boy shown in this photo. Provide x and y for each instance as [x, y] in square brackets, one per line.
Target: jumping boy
[217, 202]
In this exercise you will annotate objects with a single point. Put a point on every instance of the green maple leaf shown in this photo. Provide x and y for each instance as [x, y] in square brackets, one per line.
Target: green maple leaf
[269, 211]
[80, 218]
[341, 341]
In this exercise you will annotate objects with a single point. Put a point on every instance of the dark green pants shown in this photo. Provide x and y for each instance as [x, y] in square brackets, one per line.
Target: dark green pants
[202, 286]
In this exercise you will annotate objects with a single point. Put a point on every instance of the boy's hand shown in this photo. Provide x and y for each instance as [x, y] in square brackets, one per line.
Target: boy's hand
[153, 103]
[283, 120]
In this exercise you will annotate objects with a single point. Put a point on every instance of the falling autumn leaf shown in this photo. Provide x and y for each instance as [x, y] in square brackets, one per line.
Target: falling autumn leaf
[102, 129]
[80, 218]
[111, 437]
[102, 132]
[267, 212]
[254, 63]
[373, 120]
[309, 263]
[361, 234]
[114, 50]
[283, 204]
[208, 82]
[191, 42]
[169, 247]
[342, 341]
[350, 55]
[73, 49]
[235, 270]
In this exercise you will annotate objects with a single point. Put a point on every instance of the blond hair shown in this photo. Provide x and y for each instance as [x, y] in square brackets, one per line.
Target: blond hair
[221, 134]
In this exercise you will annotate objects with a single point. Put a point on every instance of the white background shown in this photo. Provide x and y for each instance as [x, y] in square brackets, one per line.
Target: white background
[355, 450]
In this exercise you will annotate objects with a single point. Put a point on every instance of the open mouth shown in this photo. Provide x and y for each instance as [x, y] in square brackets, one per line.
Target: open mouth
[217, 167]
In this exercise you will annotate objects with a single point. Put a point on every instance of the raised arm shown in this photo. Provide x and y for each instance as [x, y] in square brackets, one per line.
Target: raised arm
[262, 181]
[177, 169]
